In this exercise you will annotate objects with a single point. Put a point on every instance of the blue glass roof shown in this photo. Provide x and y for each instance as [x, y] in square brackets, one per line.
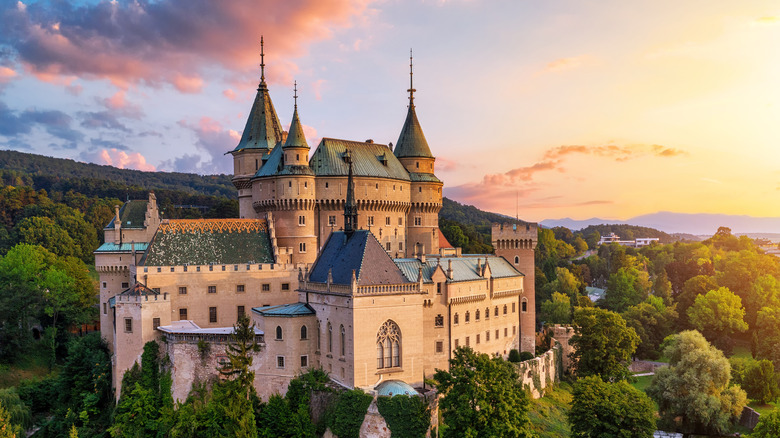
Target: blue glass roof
[395, 387]
[286, 310]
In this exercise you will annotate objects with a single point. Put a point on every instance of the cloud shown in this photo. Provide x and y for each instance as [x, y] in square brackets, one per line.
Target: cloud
[316, 87]
[619, 153]
[768, 20]
[154, 42]
[7, 74]
[570, 63]
[212, 139]
[119, 106]
[101, 119]
[446, 165]
[229, 93]
[120, 159]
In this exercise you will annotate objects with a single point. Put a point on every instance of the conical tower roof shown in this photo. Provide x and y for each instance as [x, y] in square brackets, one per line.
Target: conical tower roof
[295, 137]
[262, 130]
[411, 142]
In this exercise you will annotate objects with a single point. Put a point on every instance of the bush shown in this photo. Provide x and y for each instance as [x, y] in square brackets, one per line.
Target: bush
[526, 355]
[348, 413]
[406, 416]
[514, 355]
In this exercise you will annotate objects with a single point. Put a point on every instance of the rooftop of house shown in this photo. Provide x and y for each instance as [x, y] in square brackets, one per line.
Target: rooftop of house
[124, 247]
[286, 310]
[209, 241]
[131, 215]
[464, 268]
[188, 327]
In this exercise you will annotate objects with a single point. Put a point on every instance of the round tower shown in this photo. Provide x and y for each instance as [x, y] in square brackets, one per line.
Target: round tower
[285, 186]
[261, 134]
[413, 152]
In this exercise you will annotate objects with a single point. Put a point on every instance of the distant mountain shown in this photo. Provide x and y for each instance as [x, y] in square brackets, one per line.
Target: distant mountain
[699, 224]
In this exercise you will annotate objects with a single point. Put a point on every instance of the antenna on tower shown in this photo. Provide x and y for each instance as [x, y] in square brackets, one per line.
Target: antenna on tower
[411, 89]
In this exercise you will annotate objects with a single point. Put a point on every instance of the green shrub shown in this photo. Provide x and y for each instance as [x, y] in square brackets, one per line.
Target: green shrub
[526, 355]
[348, 413]
[406, 416]
[514, 355]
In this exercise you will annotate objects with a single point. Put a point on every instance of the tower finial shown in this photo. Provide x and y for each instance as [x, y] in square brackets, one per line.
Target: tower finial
[295, 94]
[411, 89]
[350, 209]
[262, 61]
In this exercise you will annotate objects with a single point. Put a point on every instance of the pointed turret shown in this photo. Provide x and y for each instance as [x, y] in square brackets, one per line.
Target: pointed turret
[350, 208]
[411, 142]
[295, 137]
[263, 130]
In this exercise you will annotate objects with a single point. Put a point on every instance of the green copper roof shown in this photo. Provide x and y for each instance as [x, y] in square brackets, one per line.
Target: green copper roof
[286, 310]
[411, 142]
[295, 138]
[368, 159]
[423, 177]
[262, 130]
[463, 268]
[209, 241]
[390, 388]
[123, 247]
[272, 166]
[131, 215]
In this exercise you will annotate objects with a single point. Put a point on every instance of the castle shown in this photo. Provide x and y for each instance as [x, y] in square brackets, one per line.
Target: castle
[337, 258]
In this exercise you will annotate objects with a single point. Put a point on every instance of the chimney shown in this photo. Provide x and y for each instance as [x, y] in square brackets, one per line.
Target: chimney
[449, 269]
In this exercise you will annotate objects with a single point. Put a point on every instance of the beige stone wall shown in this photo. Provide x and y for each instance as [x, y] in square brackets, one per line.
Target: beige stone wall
[227, 282]
[541, 372]
[128, 345]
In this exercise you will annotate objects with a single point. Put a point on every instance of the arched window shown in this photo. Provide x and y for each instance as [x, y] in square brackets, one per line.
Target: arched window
[388, 345]
[304, 332]
[278, 333]
[495, 313]
[343, 341]
[504, 309]
[455, 318]
[524, 305]
[476, 315]
[487, 312]
[517, 260]
[330, 338]
[467, 316]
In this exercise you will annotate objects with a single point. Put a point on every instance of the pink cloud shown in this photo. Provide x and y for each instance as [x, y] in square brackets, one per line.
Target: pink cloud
[153, 42]
[229, 93]
[570, 63]
[123, 160]
[7, 74]
[316, 87]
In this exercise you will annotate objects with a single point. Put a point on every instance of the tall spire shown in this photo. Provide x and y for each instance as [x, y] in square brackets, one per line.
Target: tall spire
[295, 137]
[350, 209]
[411, 89]
[411, 142]
[262, 130]
[262, 62]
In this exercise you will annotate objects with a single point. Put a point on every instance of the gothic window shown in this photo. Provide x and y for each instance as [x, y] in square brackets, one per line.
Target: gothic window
[388, 345]
[278, 333]
[343, 341]
[304, 332]
[504, 309]
[495, 313]
[455, 319]
[439, 321]
[330, 338]
[476, 315]
[331, 221]
[517, 260]
[467, 316]
[524, 305]
[487, 312]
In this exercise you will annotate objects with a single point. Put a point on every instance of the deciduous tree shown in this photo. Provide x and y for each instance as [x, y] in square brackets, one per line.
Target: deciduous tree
[718, 315]
[603, 409]
[603, 344]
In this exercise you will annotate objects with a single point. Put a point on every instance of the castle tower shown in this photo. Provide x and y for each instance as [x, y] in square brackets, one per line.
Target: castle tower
[516, 243]
[290, 193]
[261, 133]
[422, 220]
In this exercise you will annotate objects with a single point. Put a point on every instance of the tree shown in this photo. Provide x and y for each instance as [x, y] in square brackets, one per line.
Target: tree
[407, 416]
[653, 321]
[603, 344]
[8, 429]
[662, 287]
[766, 336]
[565, 283]
[625, 288]
[692, 288]
[693, 393]
[481, 397]
[768, 425]
[240, 355]
[718, 315]
[603, 409]
[557, 310]
[756, 377]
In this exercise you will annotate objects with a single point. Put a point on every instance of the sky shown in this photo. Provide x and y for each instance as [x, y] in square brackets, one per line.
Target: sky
[541, 109]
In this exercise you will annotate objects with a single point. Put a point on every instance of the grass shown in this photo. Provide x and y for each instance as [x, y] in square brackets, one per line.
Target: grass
[742, 352]
[33, 364]
[641, 383]
[548, 414]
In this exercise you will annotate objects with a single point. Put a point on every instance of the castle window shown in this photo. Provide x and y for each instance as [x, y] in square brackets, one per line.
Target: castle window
[468, 343]
[197, 268]
[400, 246]
[297, 157]
[438, 288]
[285, 286]
[125, 285]
[440, 346]
[159, 269]
[495, 313]
[173, 269]
[400, 221]
[212, 314]
[301, 220]
[487, 312]
[514, 330]
[377, 186]
[487, 336]
[146, 269]
[223, 267]
[331, 221]
[343, 341]
[256, 164]
[185, 268]
[304, 333]
[417, 221]
[266, 287]
[455, 318]
[212, 289]
[211, 267]
[279, 361]
[506, 330]
[477, 339]
[155, 323]
[467, 316]
[182, 290]
[388, 345]
[330, 338]
[240, 288]
[439, 321]
[302, 247]
[278, 333]
[476, 315]
[304, 361]
[289, 184]
[513, 308]
[387, 220]
[105, 309]
[417, 164]
[517, 260]
[104, 285]
[457, 343]
[524, 305]
[240, 312]
[183, 313]
[370, 221]
[326, 185]
[235, 267]
[387, 246]
[128, 325]
[504, 309]
[496, 333]
[305, 184]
